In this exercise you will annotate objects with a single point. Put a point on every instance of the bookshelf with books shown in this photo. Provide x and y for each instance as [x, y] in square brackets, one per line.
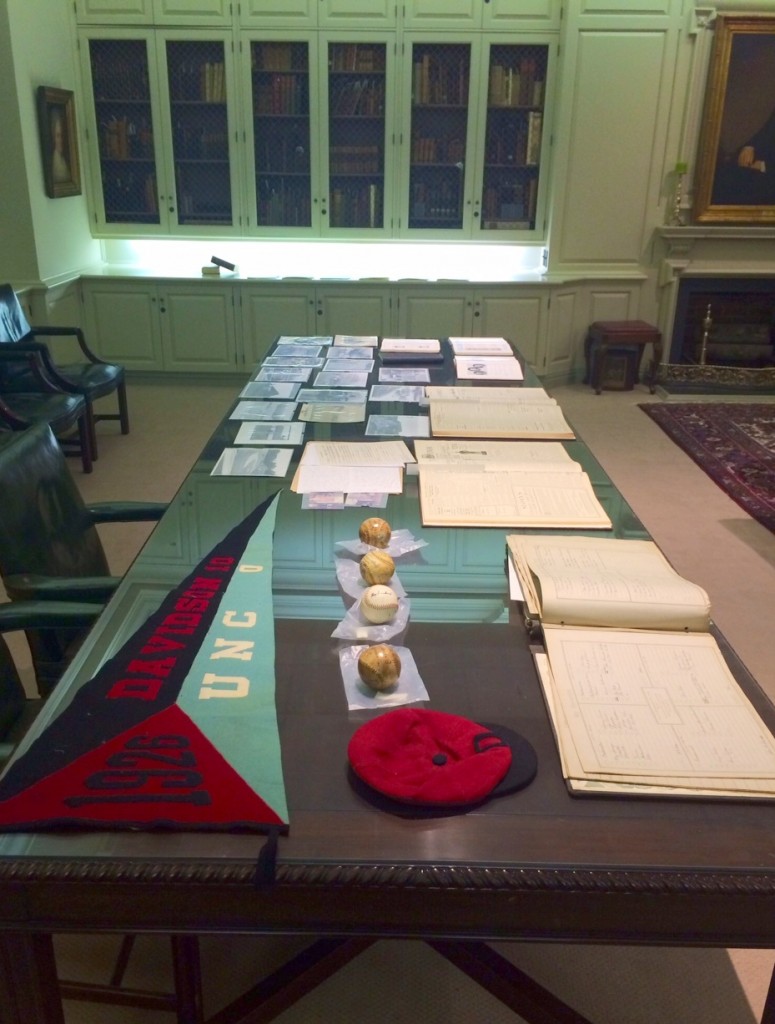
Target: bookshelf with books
[318, 133]
[516, 90]
[280, 90]
[196, 78]
[356, 134]
[439, 135]
[160, 112]
[476, 136]
[124, 119]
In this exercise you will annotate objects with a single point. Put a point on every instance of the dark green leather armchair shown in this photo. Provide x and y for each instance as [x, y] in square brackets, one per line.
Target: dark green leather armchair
[17, 709]
[92, 378]
[50, 549]
[65, 412]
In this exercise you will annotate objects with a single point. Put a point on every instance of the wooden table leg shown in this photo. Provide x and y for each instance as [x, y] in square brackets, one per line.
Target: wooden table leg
[768, 1014]
[508, 983]
[29, 990]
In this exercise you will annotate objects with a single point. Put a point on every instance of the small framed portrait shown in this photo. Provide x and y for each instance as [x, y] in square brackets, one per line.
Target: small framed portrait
[59, 142]
[735, 179]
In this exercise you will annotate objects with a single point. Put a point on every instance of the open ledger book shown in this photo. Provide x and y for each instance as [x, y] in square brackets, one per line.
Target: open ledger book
[480, 416]
[601, 581]
[640, 697]
[505, 484]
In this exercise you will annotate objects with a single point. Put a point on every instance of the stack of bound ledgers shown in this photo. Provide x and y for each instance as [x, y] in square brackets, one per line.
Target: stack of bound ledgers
[505, 484]
[641, 699]
[509, 413]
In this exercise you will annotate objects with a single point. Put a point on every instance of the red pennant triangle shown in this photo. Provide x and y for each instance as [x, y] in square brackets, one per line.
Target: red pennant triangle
[163, 771]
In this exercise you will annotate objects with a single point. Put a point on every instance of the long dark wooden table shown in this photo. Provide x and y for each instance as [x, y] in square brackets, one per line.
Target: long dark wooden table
[536, 865]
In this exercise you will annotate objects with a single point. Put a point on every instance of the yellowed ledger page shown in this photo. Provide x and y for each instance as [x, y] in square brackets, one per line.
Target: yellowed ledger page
[466, 418]
[450, 393]
[615, 784]
[602, 581]
[476, 496]
[455, 454]
[655, 708]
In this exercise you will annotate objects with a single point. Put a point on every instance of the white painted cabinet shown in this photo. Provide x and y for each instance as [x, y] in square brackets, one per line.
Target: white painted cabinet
[497, 311]
[268, 310]
[198, 327]
[427, 312]
[122, 322]
[514, 313]
[310, 14]
[161, 125]
[162, 326]
[154, 12]
[221, 327]
[353, 309]
[455, 15]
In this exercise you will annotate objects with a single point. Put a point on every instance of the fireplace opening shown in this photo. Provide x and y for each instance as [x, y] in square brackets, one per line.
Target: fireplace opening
[724, 322]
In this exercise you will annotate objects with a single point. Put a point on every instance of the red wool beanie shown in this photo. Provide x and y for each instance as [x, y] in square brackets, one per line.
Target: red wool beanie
[428, 757]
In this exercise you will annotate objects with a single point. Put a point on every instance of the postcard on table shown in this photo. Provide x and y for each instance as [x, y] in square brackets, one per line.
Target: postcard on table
[289, 373]
[358, 355]
[333, 412]
[348, 365]
[341, 379]
[246, 410]
[355, 340]
[253, 462]
[397, 393]
[288, 355]
[488, 368]
[322, 500]
[283, 348]
[398, 426]
[267, 389]
[404, 375]
[304, 339]
[333, 396]
[275, 433]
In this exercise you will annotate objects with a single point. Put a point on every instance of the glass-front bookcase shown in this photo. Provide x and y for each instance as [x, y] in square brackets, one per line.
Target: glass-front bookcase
[356, 134]
[197, 83]
[121, 76]
[282, 139]
[516, 91]
[440, 90]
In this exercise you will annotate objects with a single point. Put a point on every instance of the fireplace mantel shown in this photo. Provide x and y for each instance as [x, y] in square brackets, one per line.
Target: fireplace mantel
[722, 251]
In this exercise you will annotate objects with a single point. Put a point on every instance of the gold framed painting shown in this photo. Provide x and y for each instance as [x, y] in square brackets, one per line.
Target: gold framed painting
[59, 142]
[735, 178]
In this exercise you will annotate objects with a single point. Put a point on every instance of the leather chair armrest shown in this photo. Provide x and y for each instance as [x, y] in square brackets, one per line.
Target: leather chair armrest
[73, 332]
[39, 360]
[28, 586]
[15, 615]
[126, 511]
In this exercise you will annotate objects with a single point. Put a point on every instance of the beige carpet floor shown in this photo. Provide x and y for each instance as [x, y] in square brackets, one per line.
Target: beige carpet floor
[706, 536]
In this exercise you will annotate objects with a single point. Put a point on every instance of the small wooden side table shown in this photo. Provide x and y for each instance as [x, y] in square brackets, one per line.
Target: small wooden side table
[632, 335]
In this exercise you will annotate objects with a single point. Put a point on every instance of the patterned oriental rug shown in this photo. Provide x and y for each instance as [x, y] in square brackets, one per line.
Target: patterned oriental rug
[733, 442]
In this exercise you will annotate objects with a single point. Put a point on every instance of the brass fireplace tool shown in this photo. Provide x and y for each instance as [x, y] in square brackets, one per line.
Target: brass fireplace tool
[707, 323]
[677, 214]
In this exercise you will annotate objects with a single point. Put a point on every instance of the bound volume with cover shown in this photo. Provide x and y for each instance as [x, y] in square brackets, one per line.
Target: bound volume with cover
[639, 694]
